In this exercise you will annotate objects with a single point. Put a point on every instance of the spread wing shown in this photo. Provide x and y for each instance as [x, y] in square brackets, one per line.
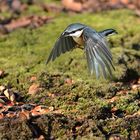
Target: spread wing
[99, 57]
[62, 45]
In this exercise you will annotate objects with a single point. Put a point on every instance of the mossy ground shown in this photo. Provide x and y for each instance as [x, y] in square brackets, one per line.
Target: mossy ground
[24, 51]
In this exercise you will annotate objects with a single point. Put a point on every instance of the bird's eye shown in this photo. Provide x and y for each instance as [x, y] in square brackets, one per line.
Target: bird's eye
[73, 31]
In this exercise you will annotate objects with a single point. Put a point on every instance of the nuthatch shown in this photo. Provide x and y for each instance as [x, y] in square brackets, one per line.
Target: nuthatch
[99, 57]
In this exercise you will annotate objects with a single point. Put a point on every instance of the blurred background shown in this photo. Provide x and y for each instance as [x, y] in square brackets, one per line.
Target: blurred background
[11, 9]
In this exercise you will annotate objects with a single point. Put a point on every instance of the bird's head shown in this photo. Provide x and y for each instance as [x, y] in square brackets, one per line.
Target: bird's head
[74, 30]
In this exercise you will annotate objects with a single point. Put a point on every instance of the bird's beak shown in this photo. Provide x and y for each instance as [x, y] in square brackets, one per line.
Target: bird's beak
[65, 34]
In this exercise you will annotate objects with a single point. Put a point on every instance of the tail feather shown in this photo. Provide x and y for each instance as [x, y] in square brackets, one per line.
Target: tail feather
[108, 32]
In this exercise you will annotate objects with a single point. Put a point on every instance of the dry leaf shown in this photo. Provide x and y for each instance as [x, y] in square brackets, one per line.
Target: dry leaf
[2, 88]
[114, 109]
[72, 5]
[24, 115]
[34, 89]
[51, 108]
[10, 95]
[135, 87]
[10, 114]
[122, 92]
[41, 137]
[69, 81]
[37, 108]
[44, 111]
[33, 79]
[7, 93]
[35, 113]
[112, 100]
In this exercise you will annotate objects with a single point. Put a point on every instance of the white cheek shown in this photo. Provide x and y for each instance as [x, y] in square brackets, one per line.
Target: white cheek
[77, 34]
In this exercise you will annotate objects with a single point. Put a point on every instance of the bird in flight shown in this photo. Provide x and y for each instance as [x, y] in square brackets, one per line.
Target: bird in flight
[98, 55]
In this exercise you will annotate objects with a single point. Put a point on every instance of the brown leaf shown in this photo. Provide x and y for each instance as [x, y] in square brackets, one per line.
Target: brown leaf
[69, 81]
[10, 114]
[24, 115]
[44, 111]
[112, 100]
[57, 111]
[37, 108]
[33, 79]
[72, 5]
[136, 86]
[135, 135]
[122, 92]
[35, 113]
[41, 137]
[34, 89]
[114, 109]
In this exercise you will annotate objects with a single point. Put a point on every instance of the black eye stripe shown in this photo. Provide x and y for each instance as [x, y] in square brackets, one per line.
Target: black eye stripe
[73, 31]
[76, 30]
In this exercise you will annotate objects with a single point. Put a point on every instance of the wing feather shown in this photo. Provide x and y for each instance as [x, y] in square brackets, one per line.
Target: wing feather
[62, 45]
[97, 54]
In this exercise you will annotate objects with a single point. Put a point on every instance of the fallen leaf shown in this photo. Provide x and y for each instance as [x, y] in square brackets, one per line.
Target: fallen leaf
[7, 93]
[24, 115]
[69, 81]
[41, 137]
[114, 109]
[2, 88]
[33, 79]
[37, 108]
[72, 5]
[135, 87]
[35, 113]
[34, 89]
[10, 114]
[10, 95]
[122, 92]
[113, 99]
[51, 108]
